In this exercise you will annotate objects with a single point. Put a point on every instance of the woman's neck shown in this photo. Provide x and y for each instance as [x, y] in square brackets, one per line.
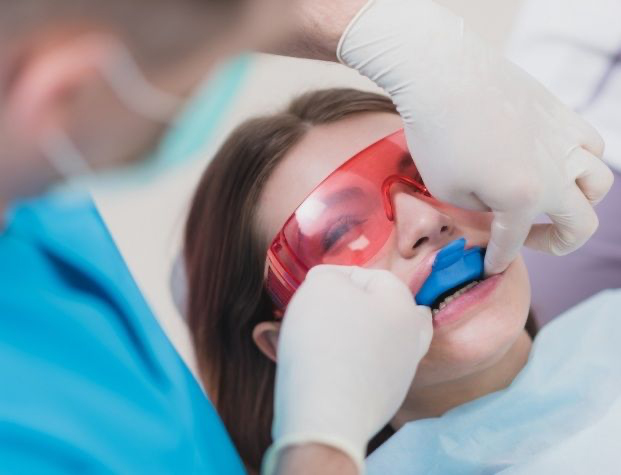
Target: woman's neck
[433, 401]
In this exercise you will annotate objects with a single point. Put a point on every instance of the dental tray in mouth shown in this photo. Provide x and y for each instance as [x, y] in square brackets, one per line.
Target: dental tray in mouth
[453, 268]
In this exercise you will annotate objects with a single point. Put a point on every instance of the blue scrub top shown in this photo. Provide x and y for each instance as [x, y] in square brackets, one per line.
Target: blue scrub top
[89, 382]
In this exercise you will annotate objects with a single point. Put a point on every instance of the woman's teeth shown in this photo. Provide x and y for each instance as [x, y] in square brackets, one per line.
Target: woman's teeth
[452, 297]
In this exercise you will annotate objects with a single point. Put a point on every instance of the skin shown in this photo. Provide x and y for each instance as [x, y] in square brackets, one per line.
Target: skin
[479, 353]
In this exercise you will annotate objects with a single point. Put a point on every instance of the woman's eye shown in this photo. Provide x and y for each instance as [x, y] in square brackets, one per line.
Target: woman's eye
[338, 230]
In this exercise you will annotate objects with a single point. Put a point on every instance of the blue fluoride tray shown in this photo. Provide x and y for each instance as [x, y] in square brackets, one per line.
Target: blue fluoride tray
[453, 266]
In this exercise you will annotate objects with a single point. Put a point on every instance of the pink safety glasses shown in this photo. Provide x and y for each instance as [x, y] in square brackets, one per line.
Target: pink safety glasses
[346, 220]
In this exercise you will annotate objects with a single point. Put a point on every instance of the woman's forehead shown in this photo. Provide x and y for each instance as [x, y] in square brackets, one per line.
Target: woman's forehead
[322, 150]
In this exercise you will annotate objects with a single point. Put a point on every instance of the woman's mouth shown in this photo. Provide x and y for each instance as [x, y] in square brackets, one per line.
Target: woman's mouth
[453, 305]
[451, 295]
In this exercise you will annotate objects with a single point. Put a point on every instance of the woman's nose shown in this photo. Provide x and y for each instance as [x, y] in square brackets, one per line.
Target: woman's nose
[419, 224]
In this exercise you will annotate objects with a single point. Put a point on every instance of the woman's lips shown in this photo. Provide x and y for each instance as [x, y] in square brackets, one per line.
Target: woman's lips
[423, 271]
[459, 307]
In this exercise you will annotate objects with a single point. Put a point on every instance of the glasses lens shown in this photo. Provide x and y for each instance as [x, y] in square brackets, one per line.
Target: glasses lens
[343, 223]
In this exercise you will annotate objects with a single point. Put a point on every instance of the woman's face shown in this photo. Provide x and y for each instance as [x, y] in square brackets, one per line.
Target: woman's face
[472, 332]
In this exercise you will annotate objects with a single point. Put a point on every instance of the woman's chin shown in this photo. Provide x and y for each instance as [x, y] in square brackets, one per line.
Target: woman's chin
[472, 349]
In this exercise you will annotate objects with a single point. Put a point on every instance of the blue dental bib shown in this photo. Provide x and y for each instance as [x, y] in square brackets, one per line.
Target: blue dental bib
[453, 266]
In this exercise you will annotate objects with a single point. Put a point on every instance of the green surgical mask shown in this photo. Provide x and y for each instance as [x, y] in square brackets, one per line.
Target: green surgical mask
[188, 136]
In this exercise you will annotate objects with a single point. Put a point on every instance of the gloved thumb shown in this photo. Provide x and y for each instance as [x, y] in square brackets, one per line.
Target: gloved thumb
[508, 232]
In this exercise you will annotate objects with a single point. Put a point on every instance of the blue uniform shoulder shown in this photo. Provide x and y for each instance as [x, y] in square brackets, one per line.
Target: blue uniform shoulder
[91, 381]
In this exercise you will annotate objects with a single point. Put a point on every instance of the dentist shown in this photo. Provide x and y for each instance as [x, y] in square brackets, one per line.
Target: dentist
[91, 384]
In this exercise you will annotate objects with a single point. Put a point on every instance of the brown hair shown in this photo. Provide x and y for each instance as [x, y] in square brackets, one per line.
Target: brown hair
[225, 258]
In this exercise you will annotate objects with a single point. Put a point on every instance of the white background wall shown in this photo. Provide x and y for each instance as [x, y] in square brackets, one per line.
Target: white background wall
[147, 220]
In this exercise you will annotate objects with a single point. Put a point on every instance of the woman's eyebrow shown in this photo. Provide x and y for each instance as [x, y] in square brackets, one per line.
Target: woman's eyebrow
[346, 194]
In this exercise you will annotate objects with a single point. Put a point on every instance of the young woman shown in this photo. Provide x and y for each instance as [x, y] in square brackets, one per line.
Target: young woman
[259, 177]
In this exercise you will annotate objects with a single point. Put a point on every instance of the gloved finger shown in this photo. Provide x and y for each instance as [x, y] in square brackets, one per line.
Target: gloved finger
[327, 277]
[572, 225]
[590, 138]
[508, 233]
[380, 282]
[417, 321]
[425, 331]
[368, 280]
[357, 276]
[329, 269]
[592, 175]
[349, 274]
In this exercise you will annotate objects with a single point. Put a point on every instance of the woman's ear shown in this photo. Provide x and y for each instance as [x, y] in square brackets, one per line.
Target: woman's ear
[265, 336]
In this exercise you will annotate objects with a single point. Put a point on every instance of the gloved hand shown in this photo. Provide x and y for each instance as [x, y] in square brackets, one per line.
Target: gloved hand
[349, 346]
[484, 134]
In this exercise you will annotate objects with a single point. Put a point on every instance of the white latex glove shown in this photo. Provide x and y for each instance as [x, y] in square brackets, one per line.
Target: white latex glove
[484, 134]
[349, 346]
